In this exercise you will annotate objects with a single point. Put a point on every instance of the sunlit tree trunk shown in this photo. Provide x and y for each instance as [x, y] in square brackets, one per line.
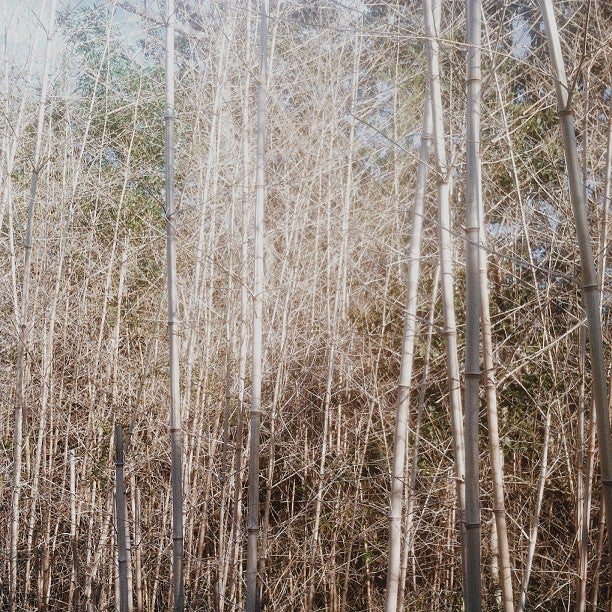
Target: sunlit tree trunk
[406, 365]
[590, 281]
[235, 540]
[173, 332]
[253, 590]
[137, 539]
[535, 523]
[412, 473]
[19, 400]
[432, 15]
[495, 451]
[74, 578]
[607, 207]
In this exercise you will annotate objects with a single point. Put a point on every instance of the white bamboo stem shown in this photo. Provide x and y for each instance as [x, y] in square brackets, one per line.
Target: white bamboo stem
[173, 321]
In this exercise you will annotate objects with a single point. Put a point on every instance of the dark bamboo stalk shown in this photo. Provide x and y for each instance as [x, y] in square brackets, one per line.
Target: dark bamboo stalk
[472, 327]
[120, 519]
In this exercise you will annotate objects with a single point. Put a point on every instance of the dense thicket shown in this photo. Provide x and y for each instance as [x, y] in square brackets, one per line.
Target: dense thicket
[345, 93]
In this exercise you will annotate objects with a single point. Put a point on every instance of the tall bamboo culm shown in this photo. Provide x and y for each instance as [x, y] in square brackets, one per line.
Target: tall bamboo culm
[590, 284]
[407, 360]
[173, 331]
[253, 594]
[472, 317]
[120, 519]
[432, 10]
[22, 315]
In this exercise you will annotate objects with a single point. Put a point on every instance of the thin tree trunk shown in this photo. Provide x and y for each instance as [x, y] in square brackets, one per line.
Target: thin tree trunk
[533, 535]
[590, 281]
[19, 400]
[173, 332]
[432, 14]
[137, 538]
[607, 206]
[45, 570]
[582, 488]
[74, 578]
[409, 530]
[253, 591]
[45, 393]
[361, 460]
[490, 385]
[407, 360]
[495, 451]
[471, 591]
[601, 525]
[120, 524]
[235, 585]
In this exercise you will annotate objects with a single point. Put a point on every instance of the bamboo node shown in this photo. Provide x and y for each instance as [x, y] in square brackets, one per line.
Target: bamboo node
[470, 526]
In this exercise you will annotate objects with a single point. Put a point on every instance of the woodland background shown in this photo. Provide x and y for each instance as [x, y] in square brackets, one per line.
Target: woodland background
[345, 92]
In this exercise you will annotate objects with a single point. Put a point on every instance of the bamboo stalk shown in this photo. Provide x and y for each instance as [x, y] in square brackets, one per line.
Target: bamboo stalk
[406, 365]
[74, 577]
[472, 586]
[533, 534]
[173, 331]
[19, 399]
[135, 499]
[590, 280]
[120, 524]
[432, 16]
[409, 530]
[253, 593]
[235, 593]
[495, 451]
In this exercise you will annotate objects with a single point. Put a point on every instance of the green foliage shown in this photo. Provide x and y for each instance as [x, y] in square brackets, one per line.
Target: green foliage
[537, 146]
[119, 97]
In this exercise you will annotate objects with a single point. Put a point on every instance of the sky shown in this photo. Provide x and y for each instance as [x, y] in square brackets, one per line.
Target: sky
[23, 25]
